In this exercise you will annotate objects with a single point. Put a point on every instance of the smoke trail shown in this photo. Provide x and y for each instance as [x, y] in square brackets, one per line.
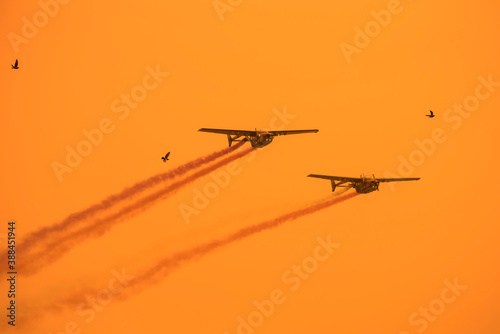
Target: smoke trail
[340, 192]
[59, 246]
[36, 237]
[159, 271]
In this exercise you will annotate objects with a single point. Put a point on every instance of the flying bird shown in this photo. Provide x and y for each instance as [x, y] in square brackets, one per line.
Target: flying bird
[15, 67]
[165, 158]
[431, 115]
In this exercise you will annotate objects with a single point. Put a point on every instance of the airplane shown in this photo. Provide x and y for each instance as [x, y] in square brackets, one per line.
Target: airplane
[15, 67]
[431, 115]
[165, 158]
[258, 138]
[363, 185]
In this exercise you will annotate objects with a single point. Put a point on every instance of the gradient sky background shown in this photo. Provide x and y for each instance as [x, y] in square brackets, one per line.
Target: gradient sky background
[397, 246]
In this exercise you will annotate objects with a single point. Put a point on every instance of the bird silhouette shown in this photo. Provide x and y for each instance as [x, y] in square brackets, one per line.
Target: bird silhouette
[15, 67]
[431, 115]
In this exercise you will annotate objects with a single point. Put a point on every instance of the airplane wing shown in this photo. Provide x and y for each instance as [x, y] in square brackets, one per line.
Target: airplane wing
[399, 179]
[336, 178]
[230, 132]
[291, 132]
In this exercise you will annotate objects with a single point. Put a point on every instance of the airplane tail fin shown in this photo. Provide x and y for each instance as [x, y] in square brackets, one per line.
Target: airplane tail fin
[230, 140]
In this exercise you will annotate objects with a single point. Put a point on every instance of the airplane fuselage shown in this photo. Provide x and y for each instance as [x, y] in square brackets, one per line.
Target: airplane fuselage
[260, 140]
[366, 186]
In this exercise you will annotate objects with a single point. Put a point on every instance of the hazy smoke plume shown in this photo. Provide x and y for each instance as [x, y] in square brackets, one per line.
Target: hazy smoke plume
[73, 219]
[65, 240]
[159, 271]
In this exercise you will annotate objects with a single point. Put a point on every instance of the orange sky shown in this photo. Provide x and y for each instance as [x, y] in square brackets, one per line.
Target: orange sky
[258, 64]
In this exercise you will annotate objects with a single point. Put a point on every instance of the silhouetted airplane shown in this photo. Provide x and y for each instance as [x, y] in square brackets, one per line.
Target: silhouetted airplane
[257, 138]
[363, 185]
[15, 67]
[165, 158]
[431, 115]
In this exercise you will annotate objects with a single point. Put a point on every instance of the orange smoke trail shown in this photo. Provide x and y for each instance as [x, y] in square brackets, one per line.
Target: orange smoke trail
[60, 245]
[159, 271]
[36, 237]
[340, 192]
